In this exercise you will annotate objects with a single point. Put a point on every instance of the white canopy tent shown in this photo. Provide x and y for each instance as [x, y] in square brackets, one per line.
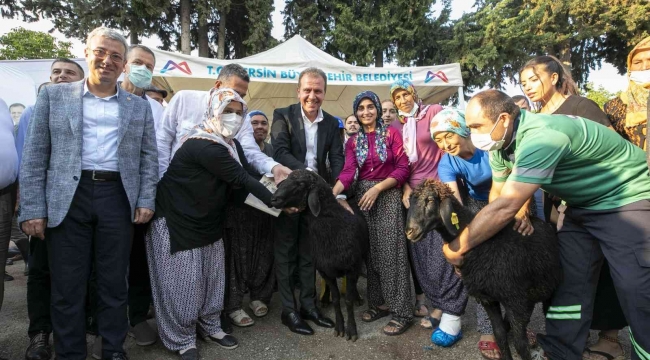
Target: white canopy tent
[274, 77]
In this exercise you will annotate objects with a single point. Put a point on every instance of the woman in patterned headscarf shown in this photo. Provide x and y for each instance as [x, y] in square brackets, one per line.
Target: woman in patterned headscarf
[413, 122]
[377, 152]
[184, 248]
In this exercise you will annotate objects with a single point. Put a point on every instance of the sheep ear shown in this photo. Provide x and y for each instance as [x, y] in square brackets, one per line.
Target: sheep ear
[449, 217]
[313, 202]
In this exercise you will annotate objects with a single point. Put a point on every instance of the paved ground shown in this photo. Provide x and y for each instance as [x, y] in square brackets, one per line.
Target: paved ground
[268, 339]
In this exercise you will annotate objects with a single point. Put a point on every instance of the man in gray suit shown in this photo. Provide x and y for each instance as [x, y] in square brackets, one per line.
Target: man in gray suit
[89, 171]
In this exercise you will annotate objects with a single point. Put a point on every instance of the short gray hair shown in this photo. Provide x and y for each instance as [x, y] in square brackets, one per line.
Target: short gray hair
[143, 48]
[109, 34]
[313, 71]
[231, 70]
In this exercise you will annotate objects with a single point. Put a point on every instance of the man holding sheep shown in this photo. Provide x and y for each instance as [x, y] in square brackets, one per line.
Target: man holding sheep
[605, 183]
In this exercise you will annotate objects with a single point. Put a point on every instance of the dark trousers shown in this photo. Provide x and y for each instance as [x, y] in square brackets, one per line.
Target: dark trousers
[97, 229]
[139, 284]
[38, 288]
[7, 205]
[608, 314]
[293, 253]
[622, 236]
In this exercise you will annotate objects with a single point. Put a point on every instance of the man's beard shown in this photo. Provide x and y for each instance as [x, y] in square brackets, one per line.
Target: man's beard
[350, 133]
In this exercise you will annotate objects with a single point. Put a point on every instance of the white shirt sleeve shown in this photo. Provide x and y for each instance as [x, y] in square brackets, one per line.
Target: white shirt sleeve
[166, 133]
[157, 112]
[258, 160]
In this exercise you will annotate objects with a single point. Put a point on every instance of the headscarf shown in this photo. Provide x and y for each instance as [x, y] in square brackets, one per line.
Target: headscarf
[254, 113]
[381, 130]
[449, 120]
[211, 127]
[636, 95]
[409, 132]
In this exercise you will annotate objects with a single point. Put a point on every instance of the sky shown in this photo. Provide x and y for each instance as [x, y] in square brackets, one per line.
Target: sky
[607, 76]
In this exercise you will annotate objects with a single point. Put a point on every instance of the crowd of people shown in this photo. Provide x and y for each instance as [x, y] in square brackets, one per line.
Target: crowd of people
[131, 206]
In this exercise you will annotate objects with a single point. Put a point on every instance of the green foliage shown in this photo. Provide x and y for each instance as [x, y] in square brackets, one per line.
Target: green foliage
[22, 44]
[599, 95]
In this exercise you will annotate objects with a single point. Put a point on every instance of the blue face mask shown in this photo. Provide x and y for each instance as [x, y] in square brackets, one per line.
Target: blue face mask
[140, 76]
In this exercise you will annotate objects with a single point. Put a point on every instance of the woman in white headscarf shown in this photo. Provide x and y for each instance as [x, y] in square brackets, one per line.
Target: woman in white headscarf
[184, 247]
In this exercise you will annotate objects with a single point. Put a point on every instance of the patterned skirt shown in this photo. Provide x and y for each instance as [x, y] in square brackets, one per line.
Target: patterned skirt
[388, 265]
[248, 240]
[187, 288]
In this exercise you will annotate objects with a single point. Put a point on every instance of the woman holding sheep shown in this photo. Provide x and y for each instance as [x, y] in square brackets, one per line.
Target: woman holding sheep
[377, 152]
[436, 276]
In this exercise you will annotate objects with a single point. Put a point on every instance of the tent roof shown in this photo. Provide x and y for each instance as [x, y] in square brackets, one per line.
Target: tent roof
[274, 76]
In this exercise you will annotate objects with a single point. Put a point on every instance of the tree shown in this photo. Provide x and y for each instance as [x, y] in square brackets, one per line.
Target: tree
[599, 95]
[22, 44]
[493, 43]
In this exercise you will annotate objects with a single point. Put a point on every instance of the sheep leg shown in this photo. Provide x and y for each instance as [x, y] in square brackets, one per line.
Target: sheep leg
[336, 302]
[351, 297]
[325, 294]
[493, 309]
[519, 319]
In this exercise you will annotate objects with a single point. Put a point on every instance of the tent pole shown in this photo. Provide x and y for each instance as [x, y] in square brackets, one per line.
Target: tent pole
[461, 98]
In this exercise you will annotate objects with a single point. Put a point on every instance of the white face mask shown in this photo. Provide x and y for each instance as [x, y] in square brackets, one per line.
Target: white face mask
[485, 142]
[640, 77]
[412, 112]
[230, 125]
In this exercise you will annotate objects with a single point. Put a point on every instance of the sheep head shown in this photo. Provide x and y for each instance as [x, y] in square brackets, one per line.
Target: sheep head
[300, 190]
[431, 209]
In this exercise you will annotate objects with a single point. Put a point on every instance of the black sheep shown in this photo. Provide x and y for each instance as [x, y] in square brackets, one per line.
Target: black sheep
[509, 269]
[339, 239]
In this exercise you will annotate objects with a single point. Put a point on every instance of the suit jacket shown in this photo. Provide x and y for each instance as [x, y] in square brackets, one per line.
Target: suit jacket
[290, 146]
[51, 164]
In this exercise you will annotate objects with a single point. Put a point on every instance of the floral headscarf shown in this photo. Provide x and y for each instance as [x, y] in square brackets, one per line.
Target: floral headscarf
[381, 130]
[636, 95]
[409, 132]
[449, 120]
[212, 128]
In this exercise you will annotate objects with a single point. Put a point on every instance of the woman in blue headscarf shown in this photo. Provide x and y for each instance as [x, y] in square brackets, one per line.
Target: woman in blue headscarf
[378, 154]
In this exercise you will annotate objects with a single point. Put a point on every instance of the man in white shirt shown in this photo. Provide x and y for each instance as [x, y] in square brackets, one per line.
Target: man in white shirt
[185, 111]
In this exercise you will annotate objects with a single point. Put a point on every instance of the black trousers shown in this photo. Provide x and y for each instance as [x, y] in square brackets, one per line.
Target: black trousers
[622, 236]
[98, 228]
[139, 283]
[38, 288]
[293, 253]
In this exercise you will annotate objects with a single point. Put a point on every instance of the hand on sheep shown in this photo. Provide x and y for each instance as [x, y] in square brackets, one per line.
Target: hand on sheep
[523, 225]
[406, 196]
[346, 206]
[280, 173]
[452, 253]
[291, 210]
[369, 198]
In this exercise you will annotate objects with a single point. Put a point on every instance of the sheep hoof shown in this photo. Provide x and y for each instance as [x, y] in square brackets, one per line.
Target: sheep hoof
[354, 338]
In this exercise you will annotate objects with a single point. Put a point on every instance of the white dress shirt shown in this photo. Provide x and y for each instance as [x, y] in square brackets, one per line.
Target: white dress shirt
[311, 134]
[184, 112]
[101, 121]
[8, 154]
[156, 110]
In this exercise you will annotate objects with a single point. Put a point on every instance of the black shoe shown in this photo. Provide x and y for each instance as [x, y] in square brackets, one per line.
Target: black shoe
[117, 356]
[296, 324]
[8, 277]
[191, 354]
[39, 347]
[226, 324]
[227, 342]
[318, 318]
[26, 271]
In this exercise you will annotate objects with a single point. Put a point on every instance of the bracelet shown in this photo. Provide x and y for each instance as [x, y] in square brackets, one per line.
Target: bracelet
[341, 197]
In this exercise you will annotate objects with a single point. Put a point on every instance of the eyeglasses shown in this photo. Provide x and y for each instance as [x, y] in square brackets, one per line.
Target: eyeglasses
[102, 54]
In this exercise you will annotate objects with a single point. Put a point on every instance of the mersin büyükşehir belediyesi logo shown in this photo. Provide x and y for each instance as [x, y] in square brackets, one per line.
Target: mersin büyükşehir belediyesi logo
[171, 65]
[431, 75]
